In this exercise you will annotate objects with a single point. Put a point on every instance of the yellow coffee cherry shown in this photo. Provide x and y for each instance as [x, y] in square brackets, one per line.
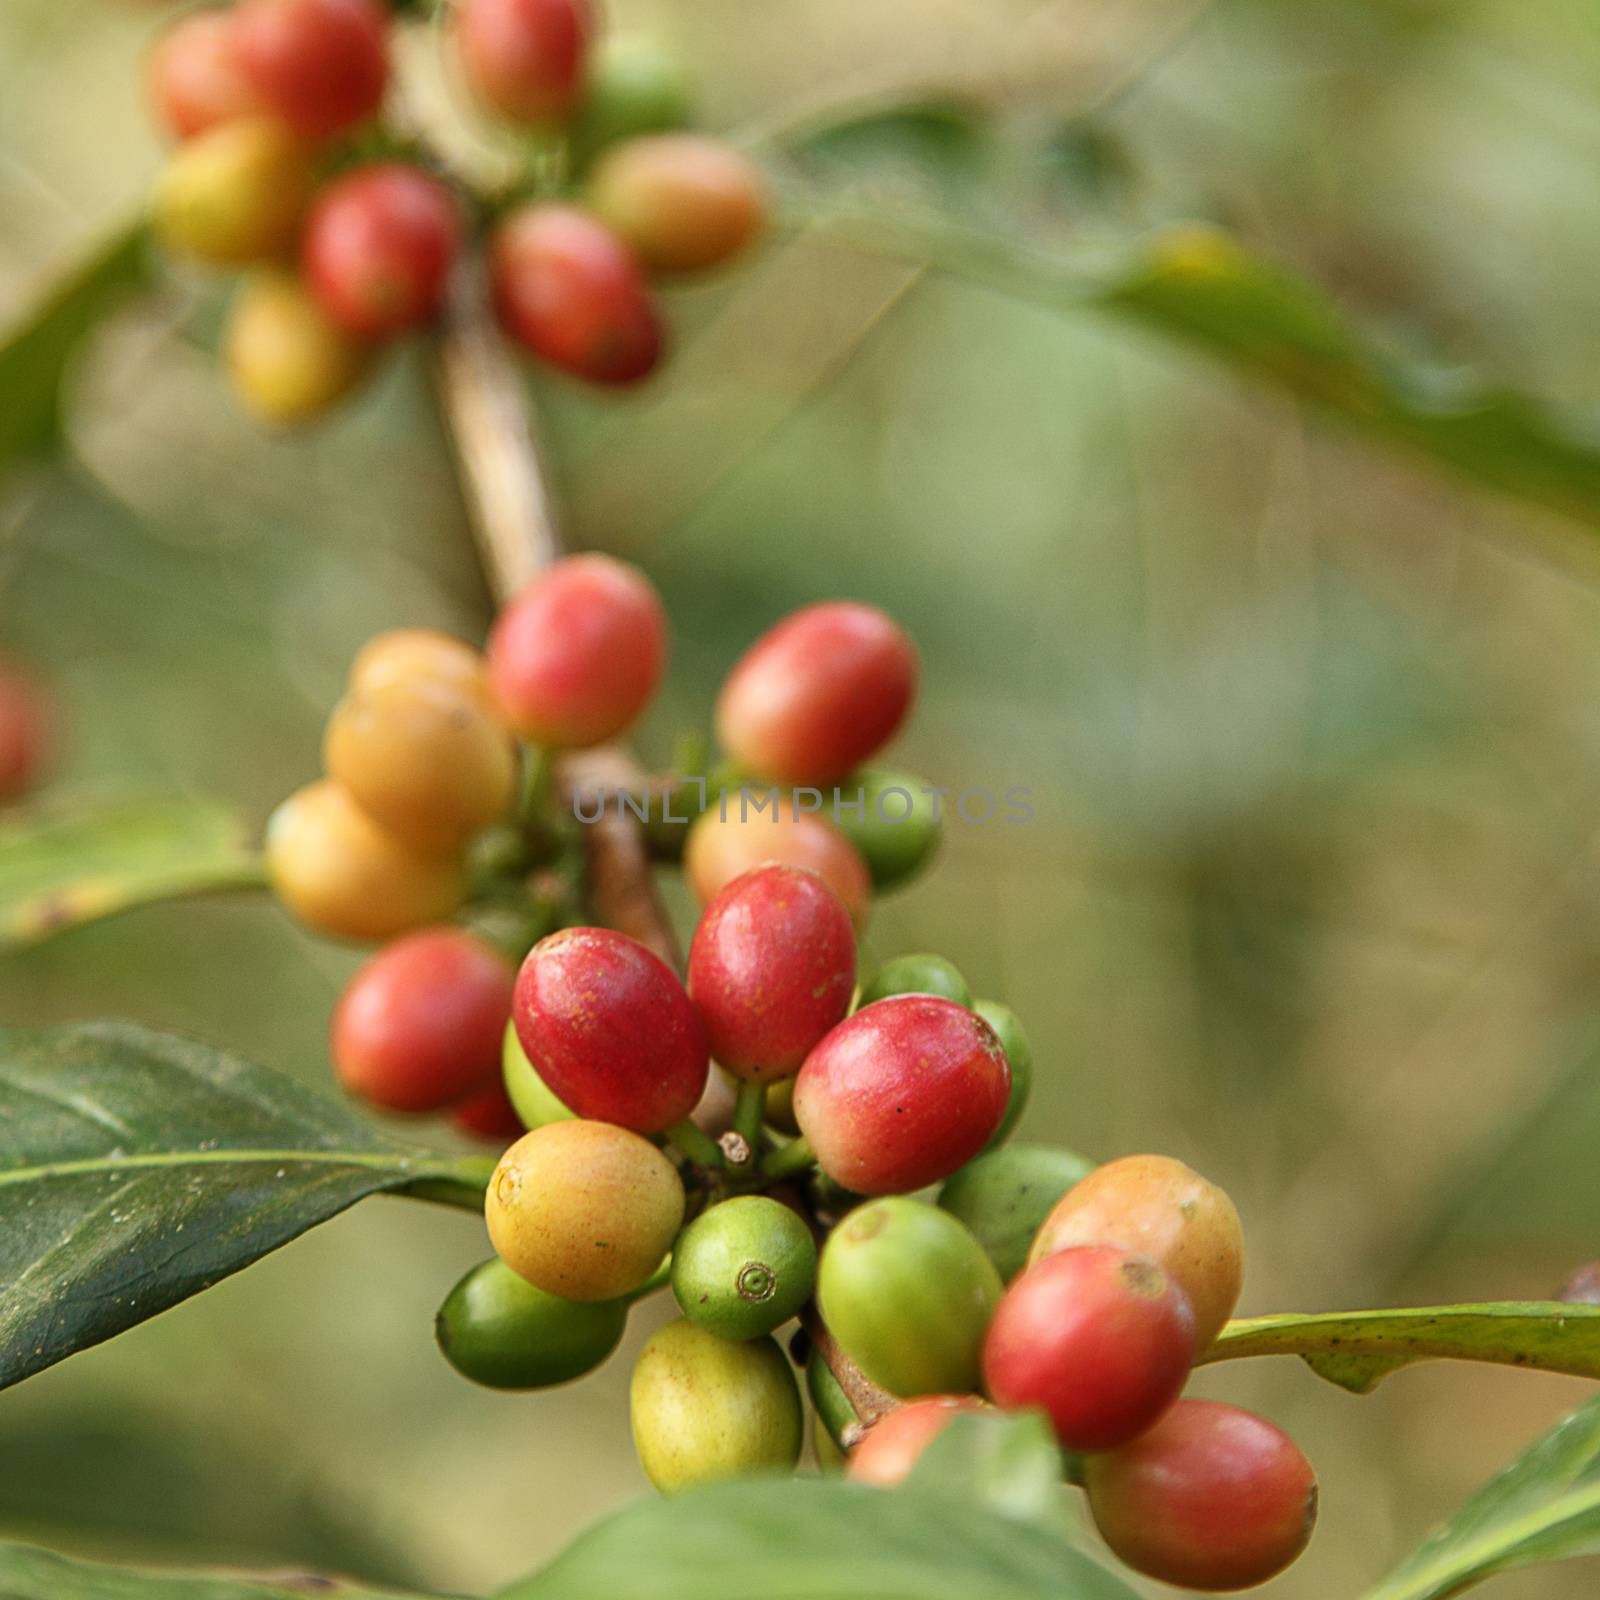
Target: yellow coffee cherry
[418, 655]
[287, 360]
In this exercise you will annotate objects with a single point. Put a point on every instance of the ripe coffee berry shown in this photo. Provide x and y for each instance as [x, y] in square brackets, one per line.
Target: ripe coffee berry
[894, 1443]
[195, 77]
[1019, 1057]
[610, 1030]
[1211, 1498]
[705, 1408]
[488, 1114]
[584, 1210]
[287, 360]
[501, 1331]
[418, 655]
[427, 762]
[568, 288]
[321, 65]
[378, 248]
[526, 1090]
[1158, 1208]
[577, 656]
[771, 970]
[679, 201]
[816, 695]
[1005, 1195]
[338, 871]
[917, 974]
[419, 1026]
[525, 58]
[744, 1267]
[1098, 1339]
[901, 1094]
[24, 732]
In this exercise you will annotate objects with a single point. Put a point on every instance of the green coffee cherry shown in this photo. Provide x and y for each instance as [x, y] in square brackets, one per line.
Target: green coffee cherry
[832, 1408]
[706, 1408]
[635, 86]
[535, 1102]
[500, 1331]
[917, 974]
[1019, 1056]
[1004, 1196]
[744, 1267]
[908, 1292]
[898, 831]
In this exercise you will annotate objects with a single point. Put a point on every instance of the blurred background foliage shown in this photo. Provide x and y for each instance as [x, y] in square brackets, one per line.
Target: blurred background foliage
[1312, 898]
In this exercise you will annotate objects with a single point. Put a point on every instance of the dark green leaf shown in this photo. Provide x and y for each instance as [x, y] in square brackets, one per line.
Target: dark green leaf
[1009, 1463]
[1544, 1507]
[817, 1539]
[137, 1169]
[1358, 1349]
[65, 868]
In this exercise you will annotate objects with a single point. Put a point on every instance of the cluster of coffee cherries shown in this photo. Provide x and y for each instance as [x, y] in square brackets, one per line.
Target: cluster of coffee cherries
[26, 732]
[351, 233]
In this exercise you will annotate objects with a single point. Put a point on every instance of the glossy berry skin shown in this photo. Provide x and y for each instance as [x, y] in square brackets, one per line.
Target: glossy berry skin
[378, 248]
[1098, 1339]
[419, 1026]
[901, 1094]
[1211, 1498]
[816, 695]
[525, 58]
[743, 1267]
[499, 1330]
[321, 65]
[1013, 1039]
[195, 77]
[705, 1409]
[730, 839]
[897, 830]
[894, 1443]
[526, 1090]
[288, 362]
[25, 738]
[583, 1210]
[680, 201]
[610, 1030]
[1159, 1208]
[917, 974]
[488, 1114]
[413, 655]
[771, 970]
[342, 874]
[1005, 1195]
[567, 288]
[576, 657]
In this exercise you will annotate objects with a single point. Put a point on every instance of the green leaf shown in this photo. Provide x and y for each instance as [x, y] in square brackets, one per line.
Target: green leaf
[1544, 1507]
[817, 1539]
[1009, 1463]
[137, 1169]
[1358, 1349]
[36, 348]
[65, 868]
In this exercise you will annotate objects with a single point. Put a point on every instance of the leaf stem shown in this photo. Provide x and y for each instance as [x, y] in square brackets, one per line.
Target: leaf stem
[699, 1146]
[749, 1112]
[789, 1161]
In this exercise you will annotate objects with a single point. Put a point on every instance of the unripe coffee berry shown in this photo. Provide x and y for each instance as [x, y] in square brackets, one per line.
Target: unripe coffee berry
[568, 288]
[895, 1442]
[501, 1331]
[524, 58]
[1005, 1195]
[576, 657]
[528, 1092]
[1210, 1498]
[338, 871]
[1162, 1209]
[901, 1094]
[195, 77]
[897, 828]
[1097, 1338]
[428, 763]
[24, 732]
[287, 360]
[705, 1408]
[584, 1210]
[634, 86]
[322, 65]
[908, 1292]
[378, 248]
[418, 655]
[744, 1267]
[419, 1026]
[917, 974]
[609, 1029]
[488, 1114]
[1019, 1057]
[816, 695]
[771, 970]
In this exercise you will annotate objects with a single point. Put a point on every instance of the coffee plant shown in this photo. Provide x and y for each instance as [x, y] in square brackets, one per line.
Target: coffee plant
[810, 1157]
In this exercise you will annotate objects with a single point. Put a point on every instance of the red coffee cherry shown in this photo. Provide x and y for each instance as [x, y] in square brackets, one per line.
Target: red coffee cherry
[902, 1094]
[575, 658]
[24, 732]
[771, 970]
[378, 248]
[894, 1443]
[419, 1026]
[1210, 1498]
[525, 58]
[321, 65]
[609, 1029]
[488, 1113]
[567, 288]
[195, 76]
[812, 698]
[1100, 1339]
